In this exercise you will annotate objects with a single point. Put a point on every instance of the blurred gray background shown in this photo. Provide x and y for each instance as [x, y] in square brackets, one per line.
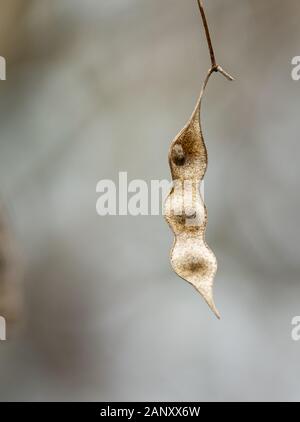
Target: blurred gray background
[96, 87]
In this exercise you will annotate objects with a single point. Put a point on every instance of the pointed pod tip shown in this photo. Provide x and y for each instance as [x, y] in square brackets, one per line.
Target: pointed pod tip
[208, 297]
[213, 307]
[216, 312]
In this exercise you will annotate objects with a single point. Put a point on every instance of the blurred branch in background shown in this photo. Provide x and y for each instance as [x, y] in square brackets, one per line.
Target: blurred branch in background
[12, 27]
[10, 274]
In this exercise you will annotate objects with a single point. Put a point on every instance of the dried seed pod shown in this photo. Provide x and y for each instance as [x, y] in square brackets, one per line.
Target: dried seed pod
[185, 211]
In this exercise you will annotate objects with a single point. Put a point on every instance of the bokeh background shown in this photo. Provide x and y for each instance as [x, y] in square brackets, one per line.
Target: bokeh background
[94, 311]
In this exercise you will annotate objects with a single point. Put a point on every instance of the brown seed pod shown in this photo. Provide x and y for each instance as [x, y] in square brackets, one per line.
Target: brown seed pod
[185, 211]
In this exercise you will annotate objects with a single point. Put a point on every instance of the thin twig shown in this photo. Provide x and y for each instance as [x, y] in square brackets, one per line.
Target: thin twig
[209, 43]
[214, 66]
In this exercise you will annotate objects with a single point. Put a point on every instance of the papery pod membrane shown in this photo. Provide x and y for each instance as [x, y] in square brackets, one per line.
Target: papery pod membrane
[185, 211]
